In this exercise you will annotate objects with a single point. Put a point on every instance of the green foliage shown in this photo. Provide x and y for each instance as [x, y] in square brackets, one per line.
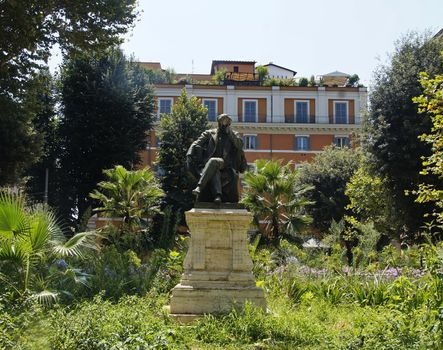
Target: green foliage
[133, 196]
[303, 81]
[32, 245]
[279, 82]
[370, 200]
[179, 129]
[159, 76]
[273, 197]
[328, 173]
[354, 80]
[30, 28]
[107, 110]
[167, 226]
[46, 124]
[20, 140]
[262, 73]
[308, 309]
[132, 323]
[393, 126]
[431, 104]
[312, 81]
[219, 76]
[28, 31]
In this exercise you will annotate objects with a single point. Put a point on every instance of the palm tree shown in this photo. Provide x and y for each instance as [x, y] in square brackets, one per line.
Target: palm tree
[32, 246]
[273, 197]
[131, 195]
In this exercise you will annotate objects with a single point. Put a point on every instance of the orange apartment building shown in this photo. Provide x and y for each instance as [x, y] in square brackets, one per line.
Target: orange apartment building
[290, 123]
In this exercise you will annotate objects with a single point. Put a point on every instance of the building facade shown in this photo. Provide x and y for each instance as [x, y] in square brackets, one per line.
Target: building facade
[290, 123]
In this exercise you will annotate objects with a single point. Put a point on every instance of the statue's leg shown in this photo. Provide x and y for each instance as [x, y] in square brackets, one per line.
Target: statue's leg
[211, 174]
[230, 186]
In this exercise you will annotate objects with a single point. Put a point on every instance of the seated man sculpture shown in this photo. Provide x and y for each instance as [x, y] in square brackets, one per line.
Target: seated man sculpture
[216, 158]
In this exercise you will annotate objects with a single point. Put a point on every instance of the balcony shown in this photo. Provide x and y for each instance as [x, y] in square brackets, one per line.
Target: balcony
[238, 78]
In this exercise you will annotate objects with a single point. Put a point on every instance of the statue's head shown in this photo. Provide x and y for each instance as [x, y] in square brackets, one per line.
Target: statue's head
[224, 121]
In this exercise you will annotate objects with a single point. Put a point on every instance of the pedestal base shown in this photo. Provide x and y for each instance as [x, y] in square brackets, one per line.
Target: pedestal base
[218, 269]
[191, 300]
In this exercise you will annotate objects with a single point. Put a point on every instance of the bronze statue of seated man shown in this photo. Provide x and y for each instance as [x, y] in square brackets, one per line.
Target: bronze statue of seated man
[216, 158]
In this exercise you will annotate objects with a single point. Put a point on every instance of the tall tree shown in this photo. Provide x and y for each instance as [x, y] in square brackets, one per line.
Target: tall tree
[46, 123]
[393, 126]
[28, 31]
[328, 173]
[179, 129]
[20, 143]
[431, 103]
[107, 110]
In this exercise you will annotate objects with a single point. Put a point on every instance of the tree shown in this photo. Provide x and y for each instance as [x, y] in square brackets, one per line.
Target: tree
[328, 173]
[262, 73]
[273, 196]
[312, 81]
[31, 242]
[131, 195]
[431, 105]
[159, 76]
[107, 110]
[370, 201]
[188, 119]
[353, 80]
[392, 128]
[303, 81]
[46, 124]
[28, 31]
[30, 28]
[20, 143]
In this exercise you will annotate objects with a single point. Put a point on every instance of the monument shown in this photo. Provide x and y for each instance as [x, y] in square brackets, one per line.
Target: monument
[217, 269]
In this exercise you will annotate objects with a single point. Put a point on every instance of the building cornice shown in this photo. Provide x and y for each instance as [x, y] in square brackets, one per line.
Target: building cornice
[288, 128]
[291, 128]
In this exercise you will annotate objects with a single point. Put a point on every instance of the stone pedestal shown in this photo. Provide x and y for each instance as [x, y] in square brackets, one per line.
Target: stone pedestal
[217, 269]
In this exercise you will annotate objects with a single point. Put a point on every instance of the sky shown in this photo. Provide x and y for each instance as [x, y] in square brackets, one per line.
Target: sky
[311, 37]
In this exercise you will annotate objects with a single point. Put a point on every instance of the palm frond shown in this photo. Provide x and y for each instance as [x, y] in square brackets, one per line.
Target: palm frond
[76, 245]
[13, 219]
[45, 297]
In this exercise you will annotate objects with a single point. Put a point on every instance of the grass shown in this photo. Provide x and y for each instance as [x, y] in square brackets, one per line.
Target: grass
[136, 322]
[306, 310]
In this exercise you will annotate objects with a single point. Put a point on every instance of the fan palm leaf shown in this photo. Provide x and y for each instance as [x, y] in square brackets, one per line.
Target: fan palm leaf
[272, 195]
[31, 238]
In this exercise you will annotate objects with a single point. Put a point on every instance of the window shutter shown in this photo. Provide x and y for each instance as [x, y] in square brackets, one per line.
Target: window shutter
[295, 143]
[309, 143]
[256, 142]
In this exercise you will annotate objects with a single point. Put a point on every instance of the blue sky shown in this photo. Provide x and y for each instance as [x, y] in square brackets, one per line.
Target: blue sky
[310, 37]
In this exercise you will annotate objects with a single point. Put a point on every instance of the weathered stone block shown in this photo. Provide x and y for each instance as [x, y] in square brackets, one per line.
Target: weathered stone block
[217, 269]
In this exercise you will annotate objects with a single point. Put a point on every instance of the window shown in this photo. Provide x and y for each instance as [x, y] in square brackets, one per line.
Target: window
[250, 111]
[341, 141]
[164, 105]
[211, 105]
[302, 143]
[341, 112]
[250, 141]
[235, 69]
[301, 111]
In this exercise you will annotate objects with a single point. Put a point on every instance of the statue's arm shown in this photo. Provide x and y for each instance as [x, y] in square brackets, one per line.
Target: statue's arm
[199, 143]
[194, 156]
[236, 139]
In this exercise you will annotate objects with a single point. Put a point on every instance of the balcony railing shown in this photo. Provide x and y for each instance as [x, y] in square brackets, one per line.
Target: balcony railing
[234, 78]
